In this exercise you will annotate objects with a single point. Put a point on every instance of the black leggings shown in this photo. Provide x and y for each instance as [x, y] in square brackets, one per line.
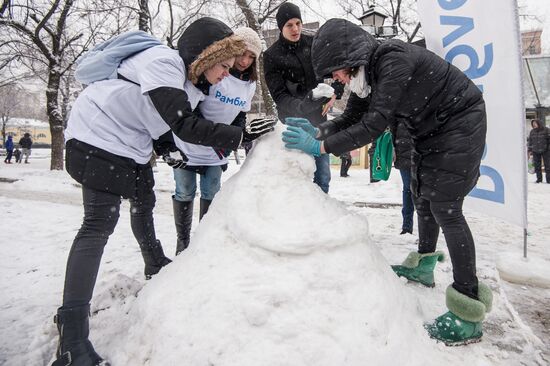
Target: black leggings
[101, 213]
[448, 216]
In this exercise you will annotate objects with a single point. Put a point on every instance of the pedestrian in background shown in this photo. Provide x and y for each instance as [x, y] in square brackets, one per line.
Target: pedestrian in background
[345, 164]
[9, 149]
[539, 148]
[26, 144]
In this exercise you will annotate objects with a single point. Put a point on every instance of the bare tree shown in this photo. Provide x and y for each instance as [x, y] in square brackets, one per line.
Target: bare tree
[144, 16]
[400, 13]
[9, 104]
[48, 38]
[173, 18]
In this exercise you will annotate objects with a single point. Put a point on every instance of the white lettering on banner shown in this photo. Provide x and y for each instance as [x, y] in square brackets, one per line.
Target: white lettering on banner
[235, 101]
[463, 26]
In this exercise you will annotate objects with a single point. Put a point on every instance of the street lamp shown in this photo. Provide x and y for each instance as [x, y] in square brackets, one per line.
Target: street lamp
[373, 22]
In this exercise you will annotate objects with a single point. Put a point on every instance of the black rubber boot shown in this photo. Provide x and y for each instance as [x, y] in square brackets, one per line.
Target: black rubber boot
[154, 258]
[183, 217]
[74, 347]
[205, 204]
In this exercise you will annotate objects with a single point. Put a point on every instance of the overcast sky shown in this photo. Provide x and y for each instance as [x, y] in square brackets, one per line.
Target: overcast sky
[534, 14]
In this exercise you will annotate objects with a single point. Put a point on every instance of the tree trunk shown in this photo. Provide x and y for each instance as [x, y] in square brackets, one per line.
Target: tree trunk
[143, 22]
[269, 104]
[55, 119]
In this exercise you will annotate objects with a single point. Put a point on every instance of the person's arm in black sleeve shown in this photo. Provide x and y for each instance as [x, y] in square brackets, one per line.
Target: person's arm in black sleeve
[394, 74]
[173, 106]
[355, 109]
[240, 120]
[164, 144]
[282, 97]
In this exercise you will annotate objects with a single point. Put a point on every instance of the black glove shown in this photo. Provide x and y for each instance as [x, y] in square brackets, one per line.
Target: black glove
[175, 162]
[258, 127]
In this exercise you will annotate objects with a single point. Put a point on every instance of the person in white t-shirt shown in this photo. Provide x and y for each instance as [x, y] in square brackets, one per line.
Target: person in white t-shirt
[109, 145]
[227, 103]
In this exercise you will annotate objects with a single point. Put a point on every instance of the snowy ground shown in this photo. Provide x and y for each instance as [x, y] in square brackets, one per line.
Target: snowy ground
[42, 212]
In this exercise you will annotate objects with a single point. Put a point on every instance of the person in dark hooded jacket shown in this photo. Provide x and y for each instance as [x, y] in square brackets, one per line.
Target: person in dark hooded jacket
[445, 114]
[110, 136]
[539, 147]
[290, 78]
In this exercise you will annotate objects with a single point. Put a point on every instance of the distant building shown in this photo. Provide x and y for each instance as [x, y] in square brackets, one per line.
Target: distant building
[39, 131]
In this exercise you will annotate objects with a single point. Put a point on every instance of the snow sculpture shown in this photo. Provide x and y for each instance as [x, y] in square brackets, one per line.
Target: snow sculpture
[277, 273]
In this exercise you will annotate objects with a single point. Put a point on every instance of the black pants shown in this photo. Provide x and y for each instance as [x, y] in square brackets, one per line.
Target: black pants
[537, 161]
[448, 216]
[346, 163]
[9, 154]
[101, 213]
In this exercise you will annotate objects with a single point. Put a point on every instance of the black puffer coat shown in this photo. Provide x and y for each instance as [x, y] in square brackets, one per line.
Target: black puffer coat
[402, 143]
[539, 138]
[442, 109]
[290, 77]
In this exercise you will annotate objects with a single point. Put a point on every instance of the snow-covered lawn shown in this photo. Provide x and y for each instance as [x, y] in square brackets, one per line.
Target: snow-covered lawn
[136, 322]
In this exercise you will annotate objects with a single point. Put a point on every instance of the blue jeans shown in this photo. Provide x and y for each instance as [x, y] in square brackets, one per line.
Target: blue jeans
[186, 184]
[321, 176]
[408, 207]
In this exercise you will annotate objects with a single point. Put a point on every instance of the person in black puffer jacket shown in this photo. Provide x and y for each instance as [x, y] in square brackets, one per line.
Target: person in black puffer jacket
[290, 78]
[402, 144]
[445, 114]
[539, 147]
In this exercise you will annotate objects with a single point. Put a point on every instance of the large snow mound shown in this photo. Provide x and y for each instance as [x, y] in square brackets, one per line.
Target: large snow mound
[277, 273]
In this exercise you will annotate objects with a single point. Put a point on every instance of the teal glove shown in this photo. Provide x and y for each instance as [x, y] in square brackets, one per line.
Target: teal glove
[297, 138]
[304, 124]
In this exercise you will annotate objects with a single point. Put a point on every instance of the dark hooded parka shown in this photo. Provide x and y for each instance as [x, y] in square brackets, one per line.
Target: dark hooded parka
[441, 108]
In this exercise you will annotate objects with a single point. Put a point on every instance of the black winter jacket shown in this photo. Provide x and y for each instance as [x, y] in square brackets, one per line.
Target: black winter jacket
[25, 142]
[402, 143]
[289, 76]
[442, 109]
[539, 139]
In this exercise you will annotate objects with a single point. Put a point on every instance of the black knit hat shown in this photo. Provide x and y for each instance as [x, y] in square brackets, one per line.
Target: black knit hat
[286, 12]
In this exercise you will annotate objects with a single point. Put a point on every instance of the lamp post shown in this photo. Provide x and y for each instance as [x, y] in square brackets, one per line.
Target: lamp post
[373, 22]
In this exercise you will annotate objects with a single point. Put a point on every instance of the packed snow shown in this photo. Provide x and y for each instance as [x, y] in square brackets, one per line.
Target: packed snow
[322, 91]
[277, 273]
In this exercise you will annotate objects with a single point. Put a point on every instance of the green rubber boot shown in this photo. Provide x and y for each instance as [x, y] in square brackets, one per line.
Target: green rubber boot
[419, 267]
[462, 324]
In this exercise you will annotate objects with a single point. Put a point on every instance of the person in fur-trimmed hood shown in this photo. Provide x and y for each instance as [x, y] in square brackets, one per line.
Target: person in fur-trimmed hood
[109, 144]
[445, 114]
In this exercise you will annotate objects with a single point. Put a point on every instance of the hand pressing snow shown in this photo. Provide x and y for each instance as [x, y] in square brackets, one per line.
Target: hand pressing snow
[322, 91]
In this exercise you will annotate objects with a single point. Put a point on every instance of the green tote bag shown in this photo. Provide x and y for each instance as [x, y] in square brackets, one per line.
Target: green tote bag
[382, 158]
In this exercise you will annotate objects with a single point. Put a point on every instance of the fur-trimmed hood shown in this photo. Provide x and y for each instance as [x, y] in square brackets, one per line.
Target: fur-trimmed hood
[205, 43]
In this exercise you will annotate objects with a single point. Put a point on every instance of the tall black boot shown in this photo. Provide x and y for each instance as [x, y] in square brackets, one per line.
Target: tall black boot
[154, 258]
[205, 204]
[183, 217]
[74, 347]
